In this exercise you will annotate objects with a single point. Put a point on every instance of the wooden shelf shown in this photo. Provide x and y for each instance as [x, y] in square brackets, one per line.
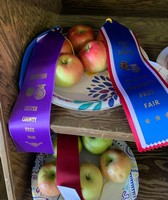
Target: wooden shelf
[110, 123]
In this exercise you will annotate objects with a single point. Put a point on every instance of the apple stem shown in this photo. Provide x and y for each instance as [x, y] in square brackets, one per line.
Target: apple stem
[52, 176]
[70, 45]
[63, 62]
[109, 161]
[87, 47]
[87, 177]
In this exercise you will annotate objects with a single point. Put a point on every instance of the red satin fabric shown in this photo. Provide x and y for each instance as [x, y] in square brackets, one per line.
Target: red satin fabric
[68, 166]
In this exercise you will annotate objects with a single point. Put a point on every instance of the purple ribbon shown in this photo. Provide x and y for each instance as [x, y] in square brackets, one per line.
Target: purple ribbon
[29, 123]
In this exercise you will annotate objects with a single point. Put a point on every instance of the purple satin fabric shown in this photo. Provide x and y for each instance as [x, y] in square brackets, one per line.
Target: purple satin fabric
[29, 123]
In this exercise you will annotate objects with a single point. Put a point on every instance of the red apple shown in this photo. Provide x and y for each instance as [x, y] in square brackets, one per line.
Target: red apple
[66, 47]
[100, 37]
[79, 35]
[69, 70]
[115, 165]
[93, 56]
[47, 179]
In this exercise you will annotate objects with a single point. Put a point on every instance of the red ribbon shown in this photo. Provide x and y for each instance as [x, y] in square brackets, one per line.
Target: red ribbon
[68, 166]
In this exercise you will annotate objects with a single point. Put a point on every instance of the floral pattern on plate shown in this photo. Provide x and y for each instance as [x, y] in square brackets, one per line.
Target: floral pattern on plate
[94, 92]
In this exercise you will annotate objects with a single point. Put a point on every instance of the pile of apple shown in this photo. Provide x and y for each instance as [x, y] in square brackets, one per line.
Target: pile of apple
[114, 166]
[82, 50]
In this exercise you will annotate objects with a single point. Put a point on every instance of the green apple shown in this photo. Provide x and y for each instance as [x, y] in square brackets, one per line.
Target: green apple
[115, 165]
[55, 145]
[69, 70]
[46, 179]
[91, 181]
[96, 145]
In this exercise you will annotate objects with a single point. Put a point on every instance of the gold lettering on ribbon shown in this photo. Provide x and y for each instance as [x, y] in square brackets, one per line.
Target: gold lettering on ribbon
[151, 104]
[38, 76]
[124, 48]
[135, 79]
[139, 86]
[40, 92]
[166, 114]
[29, 129]
[30, 91]
[130, 67]
[147, 121]
[146, 93]
[31, 108]
[33, 137]
[34, 144]
[135, 68]
[157, 118]
[29, 119]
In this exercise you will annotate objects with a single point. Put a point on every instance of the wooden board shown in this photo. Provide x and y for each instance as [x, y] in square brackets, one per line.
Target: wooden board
[136, 8]
[110, 123]
[3, 193]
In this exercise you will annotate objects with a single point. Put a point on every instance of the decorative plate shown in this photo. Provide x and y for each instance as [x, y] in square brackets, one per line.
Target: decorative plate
[127, 191]
[93, 92]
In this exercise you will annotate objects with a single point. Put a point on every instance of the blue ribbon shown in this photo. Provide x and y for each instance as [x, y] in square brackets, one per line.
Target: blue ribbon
[28, 53]
[139, 85]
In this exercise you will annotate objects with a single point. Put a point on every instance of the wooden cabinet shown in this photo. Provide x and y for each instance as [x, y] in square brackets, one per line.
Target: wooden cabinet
[21, 21]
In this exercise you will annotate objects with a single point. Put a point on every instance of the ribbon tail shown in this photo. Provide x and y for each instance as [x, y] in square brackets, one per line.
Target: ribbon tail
[68, 166]
[142, 91]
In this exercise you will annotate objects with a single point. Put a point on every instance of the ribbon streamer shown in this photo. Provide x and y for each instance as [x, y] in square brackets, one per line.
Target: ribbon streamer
[68, 166]
[142, 91]
[29, 123]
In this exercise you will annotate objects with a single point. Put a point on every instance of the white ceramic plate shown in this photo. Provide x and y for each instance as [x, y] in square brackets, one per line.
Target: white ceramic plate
[162, 58]
[93, 92]
[127, 191]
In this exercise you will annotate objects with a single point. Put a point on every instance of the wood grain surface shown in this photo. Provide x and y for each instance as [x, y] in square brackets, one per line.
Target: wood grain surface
[3, 193]
[137, 8]
[20, 22]
[110, 123]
